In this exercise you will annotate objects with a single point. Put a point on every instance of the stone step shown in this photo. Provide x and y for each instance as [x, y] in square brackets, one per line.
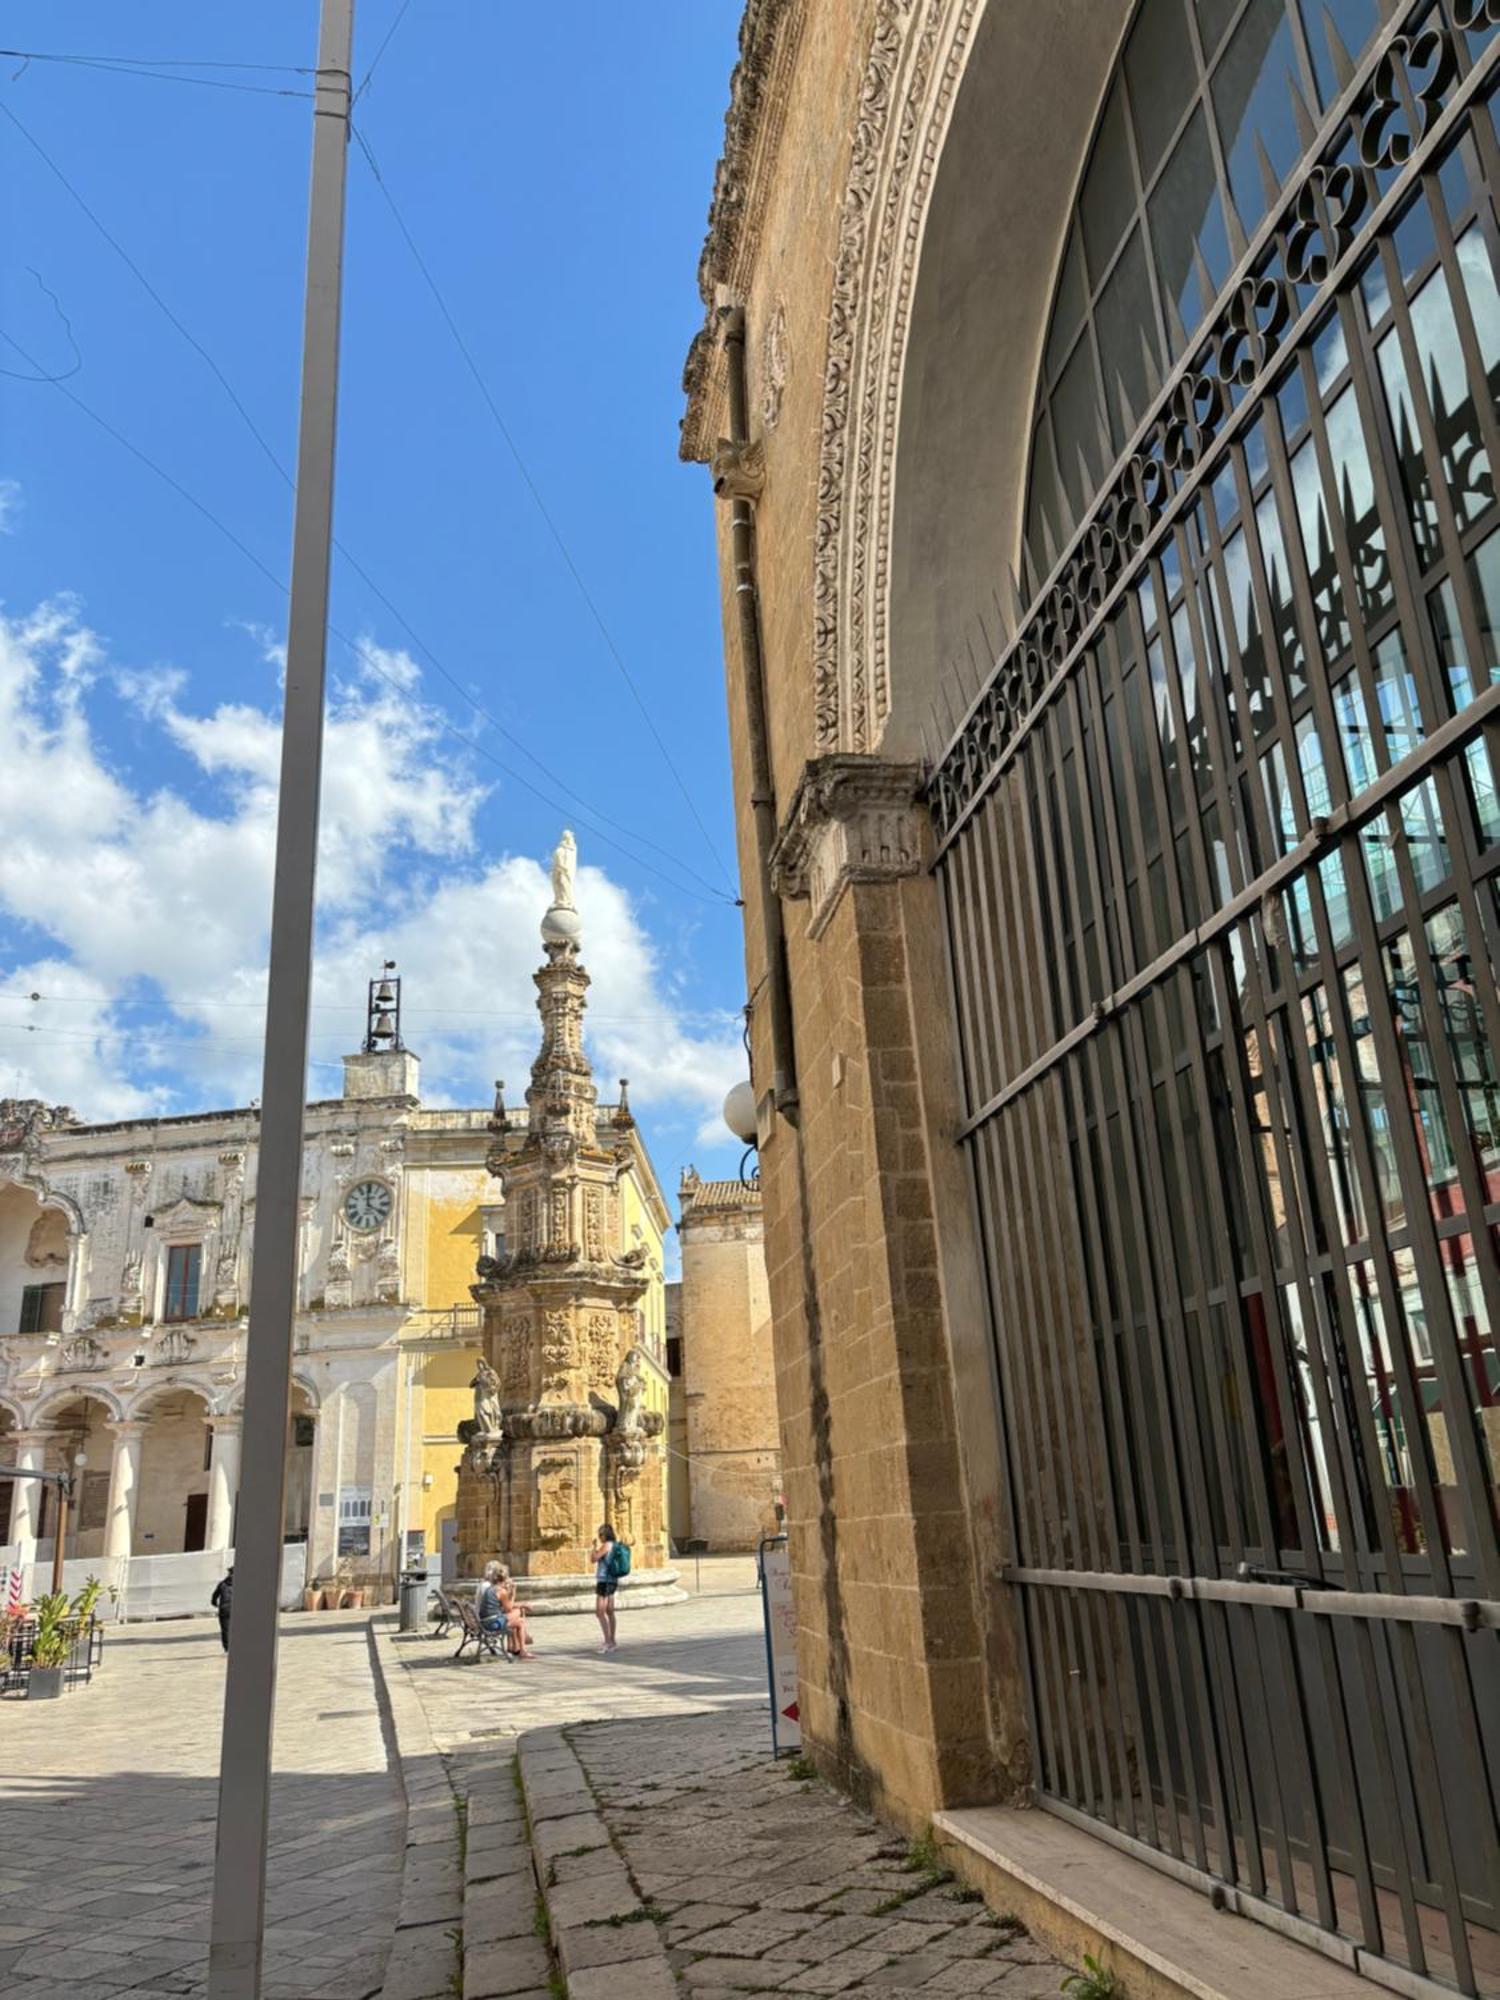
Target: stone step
[601, 1930]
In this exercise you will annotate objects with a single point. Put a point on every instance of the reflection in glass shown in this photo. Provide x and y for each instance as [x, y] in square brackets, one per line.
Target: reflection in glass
[1370, 1092]
[1186, 222]
[1353, 21]
[1426, 836]
[1476, 1343]
[1435, 1141]
[1333, 1116]
[1127, 343]
[1469, 1047]
[1376, 844]
[1279, 583]
[1484, 803]
[1107, 203]
[1483, 568]
[1356, 497]
[1463, 467]
[1398, 730]
[1391, 1422]
[1315, 1449]
[1317, 548]
[1252, 96]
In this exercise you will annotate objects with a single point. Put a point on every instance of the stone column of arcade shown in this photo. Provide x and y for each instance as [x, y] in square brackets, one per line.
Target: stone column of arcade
[124, 1486]
[223, 1482]
[30, 1454]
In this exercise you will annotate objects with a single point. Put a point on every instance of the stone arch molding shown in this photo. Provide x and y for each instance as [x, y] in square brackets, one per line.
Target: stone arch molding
[918, 50]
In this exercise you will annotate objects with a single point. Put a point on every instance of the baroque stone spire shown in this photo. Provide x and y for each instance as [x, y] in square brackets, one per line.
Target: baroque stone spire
[562, 1098]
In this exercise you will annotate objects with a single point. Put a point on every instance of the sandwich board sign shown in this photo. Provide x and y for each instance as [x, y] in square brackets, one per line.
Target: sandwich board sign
[781, 1642]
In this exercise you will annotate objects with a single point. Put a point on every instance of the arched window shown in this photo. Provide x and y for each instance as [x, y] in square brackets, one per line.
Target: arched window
[1212, 107]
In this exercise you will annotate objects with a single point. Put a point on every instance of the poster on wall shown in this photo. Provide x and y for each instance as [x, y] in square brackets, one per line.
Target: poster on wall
[781, 1642]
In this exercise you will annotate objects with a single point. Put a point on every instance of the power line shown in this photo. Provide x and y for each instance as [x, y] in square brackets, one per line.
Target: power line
[360, 652]
[112, 66]
[532, 488]
[174, 320]
[351, 1007]
[165, 62]
[389, 38]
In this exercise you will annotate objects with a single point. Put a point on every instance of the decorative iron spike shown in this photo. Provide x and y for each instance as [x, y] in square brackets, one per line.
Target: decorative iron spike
[1343, 62]
[1270, 183]
[1003, 625]
[1307, 125]
[1013, 597]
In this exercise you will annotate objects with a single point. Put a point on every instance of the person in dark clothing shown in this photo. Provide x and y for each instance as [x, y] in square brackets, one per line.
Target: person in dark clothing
[223, 1602]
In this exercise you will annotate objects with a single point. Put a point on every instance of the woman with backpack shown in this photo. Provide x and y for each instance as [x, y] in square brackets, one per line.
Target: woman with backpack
[611, 1559]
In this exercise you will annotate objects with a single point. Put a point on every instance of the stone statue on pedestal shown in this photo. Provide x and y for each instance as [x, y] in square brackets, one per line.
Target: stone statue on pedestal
[631, 1383]
[564, 863]
[488, 1420]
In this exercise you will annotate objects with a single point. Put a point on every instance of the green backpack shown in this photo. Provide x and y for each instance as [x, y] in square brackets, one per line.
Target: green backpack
[619, 1562]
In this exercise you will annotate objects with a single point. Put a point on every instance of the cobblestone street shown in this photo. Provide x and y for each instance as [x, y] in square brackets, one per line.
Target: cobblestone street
[108, 1800]
[762, 1881]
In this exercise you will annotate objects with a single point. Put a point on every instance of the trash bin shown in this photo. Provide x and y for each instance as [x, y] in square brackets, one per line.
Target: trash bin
[413, 1600]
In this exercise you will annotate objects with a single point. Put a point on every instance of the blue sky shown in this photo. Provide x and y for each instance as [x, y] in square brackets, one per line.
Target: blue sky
[554, 166]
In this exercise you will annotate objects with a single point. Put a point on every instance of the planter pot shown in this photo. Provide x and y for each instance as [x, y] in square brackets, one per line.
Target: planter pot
[44, 1683]
[331, 1596]
[354, 1600]
[310, 1599]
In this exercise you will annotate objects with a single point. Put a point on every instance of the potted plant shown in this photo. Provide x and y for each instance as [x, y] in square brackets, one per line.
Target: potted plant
[311, 1598]
[50, 1646]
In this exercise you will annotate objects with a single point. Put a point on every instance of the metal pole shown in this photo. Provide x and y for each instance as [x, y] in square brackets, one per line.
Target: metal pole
[64, 1493]
[237, 1933]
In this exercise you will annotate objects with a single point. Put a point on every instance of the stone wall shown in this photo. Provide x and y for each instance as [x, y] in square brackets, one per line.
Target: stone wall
[884, 1368]
[728, 1379]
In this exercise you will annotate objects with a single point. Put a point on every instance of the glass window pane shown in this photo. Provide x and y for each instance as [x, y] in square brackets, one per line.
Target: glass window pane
[1068, 306]
[1279, 583]
[1482, 571]
[1252, 96]
[1356, 498]
[1214, 17]
[1484, 300]
[1426, 836]
[1371, 1095]
[1317, 548]
[1333, 1115]
[1353, 21]
[1464, 464]
[1484, 802]
[1160, 75]
[1469, 1047]
[1075, 429]
[1127, 340]
[1108, 200]
[1185, 214]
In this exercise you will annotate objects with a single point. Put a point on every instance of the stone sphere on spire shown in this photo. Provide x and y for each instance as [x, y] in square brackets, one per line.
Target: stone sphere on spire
[562, 924]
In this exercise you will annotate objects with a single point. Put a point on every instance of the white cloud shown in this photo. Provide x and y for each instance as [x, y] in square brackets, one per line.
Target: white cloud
[10, 505]
[130, 885]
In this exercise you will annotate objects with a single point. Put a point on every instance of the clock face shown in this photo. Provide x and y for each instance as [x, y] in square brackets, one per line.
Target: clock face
[367, 1206]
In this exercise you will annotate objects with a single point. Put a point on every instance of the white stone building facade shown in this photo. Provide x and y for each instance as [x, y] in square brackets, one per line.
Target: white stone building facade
[125, 1260]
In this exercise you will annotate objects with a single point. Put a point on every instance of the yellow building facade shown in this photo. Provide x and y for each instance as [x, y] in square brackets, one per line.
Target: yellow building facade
[455, 1216]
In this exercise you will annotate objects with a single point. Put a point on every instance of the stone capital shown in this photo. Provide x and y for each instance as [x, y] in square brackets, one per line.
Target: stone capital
[853, 818]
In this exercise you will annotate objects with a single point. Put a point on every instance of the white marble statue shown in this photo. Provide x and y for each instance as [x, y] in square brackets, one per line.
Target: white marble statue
[564, 865]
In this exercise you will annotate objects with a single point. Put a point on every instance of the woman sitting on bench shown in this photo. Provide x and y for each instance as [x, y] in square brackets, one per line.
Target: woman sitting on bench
[518, 1638]
[489, 1606]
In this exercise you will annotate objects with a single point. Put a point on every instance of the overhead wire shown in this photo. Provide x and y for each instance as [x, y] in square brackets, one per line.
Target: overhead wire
[346, 1007]
[174, 320]
[535, 491]
[390, 36]
[121, 67]
[355, 646]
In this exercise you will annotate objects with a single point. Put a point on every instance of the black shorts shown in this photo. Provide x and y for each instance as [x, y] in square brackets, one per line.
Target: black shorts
[608, 1587]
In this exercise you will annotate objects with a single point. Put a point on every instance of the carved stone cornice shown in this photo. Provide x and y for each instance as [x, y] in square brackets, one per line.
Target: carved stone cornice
[852, 819]
[759, 93]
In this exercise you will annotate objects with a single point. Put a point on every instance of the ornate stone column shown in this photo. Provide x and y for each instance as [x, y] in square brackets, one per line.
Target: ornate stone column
[30, 1448]
[223, 1482]
[124, 1484]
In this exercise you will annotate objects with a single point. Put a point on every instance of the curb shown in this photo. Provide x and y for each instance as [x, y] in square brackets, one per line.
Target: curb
[468, 1919]
[425, 1955]
[602, 1929]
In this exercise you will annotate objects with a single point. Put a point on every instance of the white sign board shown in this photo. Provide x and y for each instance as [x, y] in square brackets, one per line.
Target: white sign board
[781, 1643]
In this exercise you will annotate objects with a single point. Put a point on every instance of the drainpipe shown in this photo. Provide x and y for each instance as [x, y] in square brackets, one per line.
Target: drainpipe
[784, 1095]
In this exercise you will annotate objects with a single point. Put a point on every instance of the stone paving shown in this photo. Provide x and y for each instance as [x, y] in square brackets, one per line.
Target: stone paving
[762, 1880]
[108, 1798]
